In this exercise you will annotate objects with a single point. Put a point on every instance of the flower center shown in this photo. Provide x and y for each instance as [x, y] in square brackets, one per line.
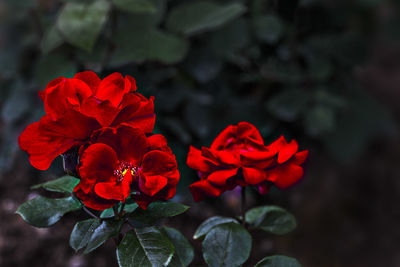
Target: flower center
[123, 168]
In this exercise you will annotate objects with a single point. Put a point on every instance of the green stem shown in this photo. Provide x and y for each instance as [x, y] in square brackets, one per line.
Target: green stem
[243, 206]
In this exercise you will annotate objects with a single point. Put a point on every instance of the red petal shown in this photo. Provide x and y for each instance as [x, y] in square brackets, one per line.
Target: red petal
[93, 201]
[300, 157]
[254, 176]
[130, 83]
[43, 147]
[97, 164]
[220, 177]
[196, 161]
[158, 141]
[46, 139]
[137, 111]
[72, 124]
[129, 143]
[222, 140]
[109, 190]
[203, 189]
[285, 175]
[126, 185]
[63, 94]
[112, 88]
[287, 151]
[158, 163]
[151, 185]
[228, 157]
[277, 145]
[103, 111]
[90, 78]
[248, 130]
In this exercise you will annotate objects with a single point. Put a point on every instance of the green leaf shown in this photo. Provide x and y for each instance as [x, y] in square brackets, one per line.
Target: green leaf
[51, 40]
[319, 120]
[184, 253]
[65, 184]
[210, 223]
[145, 247]
[191, 18]
[106, 230]
[227, 245]
[108, 213]
[82, 233]
[278, 261]
[288, 104]
[80, 23]
[271, 219]
[152, 45]
[157, 211]
[44, 212]
[268, 29]
[135, 6]
[52, 66]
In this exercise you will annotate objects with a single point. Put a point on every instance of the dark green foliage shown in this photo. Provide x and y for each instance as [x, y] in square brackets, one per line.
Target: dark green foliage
[145, 247]
[272, 219]
[227, 244]
[44, 212]
[278, 261]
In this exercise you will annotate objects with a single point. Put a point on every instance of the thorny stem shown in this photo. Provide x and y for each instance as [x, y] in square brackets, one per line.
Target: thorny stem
[243, 206]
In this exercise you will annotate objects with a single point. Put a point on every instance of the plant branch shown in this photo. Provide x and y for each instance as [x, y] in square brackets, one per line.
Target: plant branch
[90, 213]
[243, 206]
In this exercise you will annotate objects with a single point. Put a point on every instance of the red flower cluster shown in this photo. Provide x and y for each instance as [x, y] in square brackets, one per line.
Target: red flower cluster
[110, 123]
[238, 157]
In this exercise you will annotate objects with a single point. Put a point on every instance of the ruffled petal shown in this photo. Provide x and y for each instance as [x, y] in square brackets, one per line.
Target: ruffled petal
[247, 130]
[300, 157]
[196, 161]
[152, 184]
[103, 111]
[97, 164]
[287, 151]
[254, 176]
[202, 189]
[90, 78]
[137, 111]
[43, 146]
[129, 143]
[220, 177]
[285, 175]
[112, 88]
[109, 190]
[158, 163]
[93, 201]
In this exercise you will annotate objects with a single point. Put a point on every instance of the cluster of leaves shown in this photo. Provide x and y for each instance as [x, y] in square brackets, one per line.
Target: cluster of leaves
[144, 243]
[225, 241]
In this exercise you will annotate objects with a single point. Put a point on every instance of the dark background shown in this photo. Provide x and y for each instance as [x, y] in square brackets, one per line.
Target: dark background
[326, 73]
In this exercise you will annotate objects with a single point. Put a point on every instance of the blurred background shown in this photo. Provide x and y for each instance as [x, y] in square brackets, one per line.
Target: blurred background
[325, 72]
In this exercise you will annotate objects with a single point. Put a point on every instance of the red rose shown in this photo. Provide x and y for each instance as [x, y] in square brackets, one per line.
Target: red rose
[122, 161]
[238, 157]
[76, 107]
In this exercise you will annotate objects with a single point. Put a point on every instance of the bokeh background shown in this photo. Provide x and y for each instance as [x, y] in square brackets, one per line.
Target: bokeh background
[325, 72]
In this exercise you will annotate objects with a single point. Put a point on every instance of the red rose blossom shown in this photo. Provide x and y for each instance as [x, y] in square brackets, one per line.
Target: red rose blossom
[122, 162]
[238, 157]
[76, 107]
